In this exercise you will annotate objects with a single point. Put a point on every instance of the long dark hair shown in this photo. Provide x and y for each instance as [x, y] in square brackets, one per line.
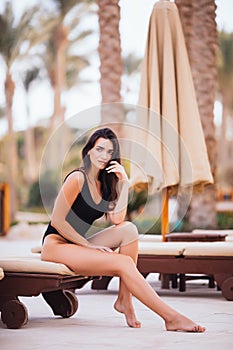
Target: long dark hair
[108, 180]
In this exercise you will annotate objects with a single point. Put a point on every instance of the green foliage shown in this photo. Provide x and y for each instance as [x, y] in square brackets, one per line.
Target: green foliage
[20, 145]
[136, 200]
[43, 192]
[73, 160]
[225, 220]
[225, 59]
[34, 199]
[2, 112]
[150, 226]
[131, 63]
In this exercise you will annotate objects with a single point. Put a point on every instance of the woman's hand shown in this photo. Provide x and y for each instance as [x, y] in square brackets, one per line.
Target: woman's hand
[101, 248]
[117, 169]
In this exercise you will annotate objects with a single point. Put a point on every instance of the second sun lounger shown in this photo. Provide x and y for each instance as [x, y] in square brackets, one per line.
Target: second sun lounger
[172, 258]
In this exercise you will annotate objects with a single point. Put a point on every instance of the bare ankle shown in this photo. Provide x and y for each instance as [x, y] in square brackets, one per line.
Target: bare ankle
[171, 317]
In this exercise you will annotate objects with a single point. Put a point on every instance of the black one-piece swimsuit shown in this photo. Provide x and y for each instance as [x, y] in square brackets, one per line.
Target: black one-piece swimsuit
[83, 212]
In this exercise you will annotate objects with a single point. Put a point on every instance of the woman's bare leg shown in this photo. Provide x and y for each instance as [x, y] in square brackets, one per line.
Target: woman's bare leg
[124, 302]
[84, 261]
[124, 235]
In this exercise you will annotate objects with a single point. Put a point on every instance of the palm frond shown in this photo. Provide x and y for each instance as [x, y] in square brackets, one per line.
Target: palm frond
[64, 6]
[9, 13]
[79, 62]
[77, 15]
[7, 32]
[3, 37]
[22, 30]
[73, 78]
[2, 112]
[33, 28]
[41, 33]
[29, 76]
[80, 36]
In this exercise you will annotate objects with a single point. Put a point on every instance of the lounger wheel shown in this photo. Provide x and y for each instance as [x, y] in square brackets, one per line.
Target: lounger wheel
[63, 302]
[101, 284]
[73, 300]
[227, 288]
[220, 278]
[14, 314]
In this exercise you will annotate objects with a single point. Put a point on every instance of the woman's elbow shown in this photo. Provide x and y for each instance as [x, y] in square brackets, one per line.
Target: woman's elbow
[57, 224]
[117, 220]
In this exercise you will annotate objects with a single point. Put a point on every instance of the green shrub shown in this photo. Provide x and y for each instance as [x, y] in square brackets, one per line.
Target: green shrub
[225, 220]
[43, 192]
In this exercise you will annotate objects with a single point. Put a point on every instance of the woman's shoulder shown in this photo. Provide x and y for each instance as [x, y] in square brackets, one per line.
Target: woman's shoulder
[75, 177]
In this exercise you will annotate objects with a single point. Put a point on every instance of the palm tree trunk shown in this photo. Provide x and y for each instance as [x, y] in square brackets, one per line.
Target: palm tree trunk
[223, 158]
[201, 39]
[111, 64]
[59, 144]
[30, 152]
[61, 40]
[11, 155]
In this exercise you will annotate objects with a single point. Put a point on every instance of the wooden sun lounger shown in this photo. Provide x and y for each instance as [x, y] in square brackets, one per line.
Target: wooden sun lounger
[28, 276]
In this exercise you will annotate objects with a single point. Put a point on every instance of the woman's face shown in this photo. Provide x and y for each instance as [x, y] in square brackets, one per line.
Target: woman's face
[101, 153]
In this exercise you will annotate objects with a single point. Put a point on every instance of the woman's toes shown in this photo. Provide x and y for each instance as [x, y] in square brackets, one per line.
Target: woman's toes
[135, 324]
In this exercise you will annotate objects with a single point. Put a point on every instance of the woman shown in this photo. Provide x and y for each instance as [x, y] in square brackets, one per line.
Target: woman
[101, 187]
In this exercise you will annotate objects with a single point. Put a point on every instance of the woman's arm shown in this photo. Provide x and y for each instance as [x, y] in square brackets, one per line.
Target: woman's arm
[66, 197]
[117, 215]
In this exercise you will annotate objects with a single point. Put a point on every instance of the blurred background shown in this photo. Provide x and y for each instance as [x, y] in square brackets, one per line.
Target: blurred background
[61, 57]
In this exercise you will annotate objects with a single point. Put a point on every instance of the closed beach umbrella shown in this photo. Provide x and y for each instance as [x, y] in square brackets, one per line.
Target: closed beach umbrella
[168, 123]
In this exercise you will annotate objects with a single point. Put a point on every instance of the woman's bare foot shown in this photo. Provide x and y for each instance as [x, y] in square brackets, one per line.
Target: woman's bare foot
[128, 310]
[182, 323]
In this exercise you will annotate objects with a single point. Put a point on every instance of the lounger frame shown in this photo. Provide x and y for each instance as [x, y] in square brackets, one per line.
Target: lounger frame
[220, 267]
[56, 289]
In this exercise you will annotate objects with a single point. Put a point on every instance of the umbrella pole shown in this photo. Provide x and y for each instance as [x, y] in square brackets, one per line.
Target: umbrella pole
[164, 219]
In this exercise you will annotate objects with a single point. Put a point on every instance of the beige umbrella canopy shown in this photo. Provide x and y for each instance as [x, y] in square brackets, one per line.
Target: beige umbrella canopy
[168, 120]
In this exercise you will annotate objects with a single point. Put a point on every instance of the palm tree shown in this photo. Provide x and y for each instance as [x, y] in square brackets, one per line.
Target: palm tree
[16, 40]
[57, 52]
[111, 64]
[200, 31]
[11, 41]
[63, 67]
[29, 142]
[225, 88]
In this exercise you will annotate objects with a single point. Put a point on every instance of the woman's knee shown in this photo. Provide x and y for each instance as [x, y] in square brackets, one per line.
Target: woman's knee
[130, 232]
[45, 250]
[126, 264]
